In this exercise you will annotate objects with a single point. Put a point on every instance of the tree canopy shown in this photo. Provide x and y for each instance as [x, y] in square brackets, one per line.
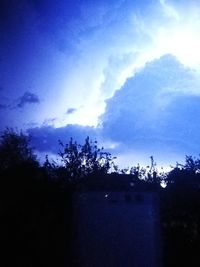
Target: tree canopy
[82, 160]
[15, 149]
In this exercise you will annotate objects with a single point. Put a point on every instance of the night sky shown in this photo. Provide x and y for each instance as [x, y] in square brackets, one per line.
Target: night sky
[124, 72]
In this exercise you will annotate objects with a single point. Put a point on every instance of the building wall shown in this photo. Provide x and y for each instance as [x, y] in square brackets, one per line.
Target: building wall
[117, 229]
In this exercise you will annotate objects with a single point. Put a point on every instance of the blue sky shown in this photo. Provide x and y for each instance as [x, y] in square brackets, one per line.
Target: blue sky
[125, 72]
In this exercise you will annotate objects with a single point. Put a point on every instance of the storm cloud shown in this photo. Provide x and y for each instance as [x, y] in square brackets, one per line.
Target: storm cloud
[155, 113]
[27, 98]
[46, 138]
[128, 70]
[156, 108]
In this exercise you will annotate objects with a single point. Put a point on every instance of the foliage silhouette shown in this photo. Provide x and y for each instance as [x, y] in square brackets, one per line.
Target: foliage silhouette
[15, 149]
[82, 160]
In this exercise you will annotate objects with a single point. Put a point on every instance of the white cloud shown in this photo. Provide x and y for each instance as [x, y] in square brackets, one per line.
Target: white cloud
[169, 10]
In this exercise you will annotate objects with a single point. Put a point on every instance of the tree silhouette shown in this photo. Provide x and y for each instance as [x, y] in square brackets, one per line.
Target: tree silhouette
[15, 149]
[82, 160]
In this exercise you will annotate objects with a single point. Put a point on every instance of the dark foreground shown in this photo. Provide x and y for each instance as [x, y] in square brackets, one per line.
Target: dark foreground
[40, 224]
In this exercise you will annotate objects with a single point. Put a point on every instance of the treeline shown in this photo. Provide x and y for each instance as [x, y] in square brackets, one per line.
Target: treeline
[35, 201]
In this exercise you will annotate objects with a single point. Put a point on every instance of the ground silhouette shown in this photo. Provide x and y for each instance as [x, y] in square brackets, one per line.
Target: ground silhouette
[36, 201]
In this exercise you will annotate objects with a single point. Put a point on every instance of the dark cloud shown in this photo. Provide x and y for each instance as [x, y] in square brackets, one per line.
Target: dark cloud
[71, 110]
[45, 139]
[27, 98]
[49, 121]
